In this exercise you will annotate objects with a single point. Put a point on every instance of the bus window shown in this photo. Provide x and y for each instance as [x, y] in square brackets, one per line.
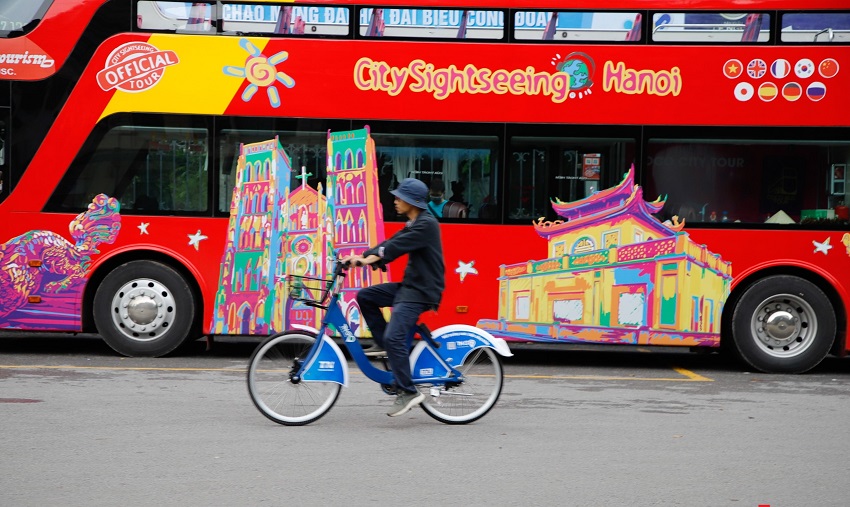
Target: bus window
[19, 17]
[460, 169]
[542, 169]
[815, 27]
[748, 181]
[245, 18]
[432, 23]
[710, 27]
[173, 16]
[305, 149]
[150, 170]
[577, 26]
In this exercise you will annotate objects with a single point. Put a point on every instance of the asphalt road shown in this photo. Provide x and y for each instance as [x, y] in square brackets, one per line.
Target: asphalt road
[574, 426]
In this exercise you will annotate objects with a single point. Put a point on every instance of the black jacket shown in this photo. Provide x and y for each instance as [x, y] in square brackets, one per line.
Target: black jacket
[425, 276]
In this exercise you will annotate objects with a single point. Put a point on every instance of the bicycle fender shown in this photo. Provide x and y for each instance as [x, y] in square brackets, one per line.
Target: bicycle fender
[302, 327]
[328, 364]
[458, 340]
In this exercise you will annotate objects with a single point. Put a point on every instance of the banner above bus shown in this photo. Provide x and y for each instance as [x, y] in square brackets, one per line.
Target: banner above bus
[393, 80]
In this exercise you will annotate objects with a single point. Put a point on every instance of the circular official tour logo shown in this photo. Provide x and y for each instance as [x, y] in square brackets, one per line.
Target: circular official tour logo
[135, 67]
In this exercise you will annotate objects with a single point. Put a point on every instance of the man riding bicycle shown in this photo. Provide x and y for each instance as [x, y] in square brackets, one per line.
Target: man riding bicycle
[421, 287]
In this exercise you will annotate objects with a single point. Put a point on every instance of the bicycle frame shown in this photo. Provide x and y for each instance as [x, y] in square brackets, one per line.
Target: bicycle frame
[325, 361]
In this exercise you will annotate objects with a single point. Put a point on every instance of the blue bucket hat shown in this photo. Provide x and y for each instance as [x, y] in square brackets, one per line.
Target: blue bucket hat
[413, 192]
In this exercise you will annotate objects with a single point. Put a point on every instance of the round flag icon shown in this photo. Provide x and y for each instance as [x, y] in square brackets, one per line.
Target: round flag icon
[744, 91]
[792, 92]
[756, 68]
[733, 68]
[780, 68]
[828, 68]
[804, 68]
[768, 91]
[816, 91]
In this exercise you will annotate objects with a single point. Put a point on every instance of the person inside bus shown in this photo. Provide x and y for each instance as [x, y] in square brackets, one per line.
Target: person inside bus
[421, 287]
[436, 199]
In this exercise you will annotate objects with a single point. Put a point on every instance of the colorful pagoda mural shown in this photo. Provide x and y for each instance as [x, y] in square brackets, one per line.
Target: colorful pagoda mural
[614, 274]
[276, 231]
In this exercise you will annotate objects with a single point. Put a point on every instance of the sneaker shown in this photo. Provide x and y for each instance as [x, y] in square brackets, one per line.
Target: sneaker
[375, 351]
[404, 402]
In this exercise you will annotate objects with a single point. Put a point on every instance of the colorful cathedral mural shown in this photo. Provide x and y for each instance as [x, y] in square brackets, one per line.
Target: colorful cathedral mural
[42, 274]
[614, 274]
[275, 231]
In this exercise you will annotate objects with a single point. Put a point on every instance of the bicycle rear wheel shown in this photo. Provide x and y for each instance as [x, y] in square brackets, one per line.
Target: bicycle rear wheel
[273, 391]
[475, 396]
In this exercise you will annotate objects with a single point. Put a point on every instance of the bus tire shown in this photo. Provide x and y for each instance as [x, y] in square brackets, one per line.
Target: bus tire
[783, 324]
[144, 309]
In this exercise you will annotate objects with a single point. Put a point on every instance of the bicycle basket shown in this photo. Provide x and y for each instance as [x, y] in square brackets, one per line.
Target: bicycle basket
[310, 290]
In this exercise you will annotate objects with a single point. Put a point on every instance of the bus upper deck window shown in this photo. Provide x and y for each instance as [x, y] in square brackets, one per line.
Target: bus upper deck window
[709, 27]
[577, 26]
[810, 27]
[19, 17]
[174, 16]
[287, 20]
[475, 24]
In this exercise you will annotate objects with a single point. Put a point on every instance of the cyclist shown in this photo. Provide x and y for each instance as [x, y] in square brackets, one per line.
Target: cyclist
[421, 287]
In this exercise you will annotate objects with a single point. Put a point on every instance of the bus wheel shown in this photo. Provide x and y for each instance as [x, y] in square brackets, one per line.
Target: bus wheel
[783, 324]
[144, 308]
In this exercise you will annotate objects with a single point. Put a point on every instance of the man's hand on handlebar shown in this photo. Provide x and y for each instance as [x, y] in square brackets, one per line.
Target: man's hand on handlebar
[359, 260]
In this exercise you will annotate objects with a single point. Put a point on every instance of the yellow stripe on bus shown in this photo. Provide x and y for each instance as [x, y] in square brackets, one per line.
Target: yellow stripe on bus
[197, 84]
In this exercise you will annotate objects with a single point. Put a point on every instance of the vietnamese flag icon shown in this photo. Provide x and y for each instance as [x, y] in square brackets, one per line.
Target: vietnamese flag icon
[792, 92]
[733, 68]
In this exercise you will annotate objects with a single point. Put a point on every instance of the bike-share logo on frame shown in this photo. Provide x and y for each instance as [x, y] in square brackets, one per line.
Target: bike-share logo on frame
[327, 365]
[460, 344]
[135, 67]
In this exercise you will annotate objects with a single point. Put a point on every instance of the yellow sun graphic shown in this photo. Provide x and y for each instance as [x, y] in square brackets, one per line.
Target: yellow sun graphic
[260, 71]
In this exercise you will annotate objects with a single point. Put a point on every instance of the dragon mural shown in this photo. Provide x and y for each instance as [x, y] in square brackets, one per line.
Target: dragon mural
[43, 262]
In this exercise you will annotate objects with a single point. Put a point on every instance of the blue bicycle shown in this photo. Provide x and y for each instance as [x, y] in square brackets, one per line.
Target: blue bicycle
[295, 377]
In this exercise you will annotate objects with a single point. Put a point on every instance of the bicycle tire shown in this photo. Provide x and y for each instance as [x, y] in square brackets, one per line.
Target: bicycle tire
[272, 390]
[475, 396]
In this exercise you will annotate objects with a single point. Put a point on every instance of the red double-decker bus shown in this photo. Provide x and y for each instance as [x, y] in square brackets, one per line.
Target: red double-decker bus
[605, 172]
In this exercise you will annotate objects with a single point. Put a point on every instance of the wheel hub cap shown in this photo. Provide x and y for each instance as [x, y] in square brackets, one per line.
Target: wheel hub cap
[143, 309]
[784, 325]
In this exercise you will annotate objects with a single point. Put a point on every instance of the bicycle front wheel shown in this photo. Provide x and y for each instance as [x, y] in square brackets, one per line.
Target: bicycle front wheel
[470, 400]
[272, 388]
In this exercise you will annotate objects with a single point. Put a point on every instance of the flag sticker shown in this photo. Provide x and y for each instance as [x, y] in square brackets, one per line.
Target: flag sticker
[744, 91]
[816, 91]
[828, 68]
[804, 68]
[733, 68]
[768, 91]
[756, 68]
[780, 68]
[792, 92]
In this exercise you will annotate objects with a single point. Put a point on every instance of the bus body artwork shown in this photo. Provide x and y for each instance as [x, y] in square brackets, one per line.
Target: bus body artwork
[511, 112]
[43, 267]
[274, 231]
[615, 274]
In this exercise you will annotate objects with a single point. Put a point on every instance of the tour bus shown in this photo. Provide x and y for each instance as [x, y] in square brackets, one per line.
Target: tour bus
[618, 171]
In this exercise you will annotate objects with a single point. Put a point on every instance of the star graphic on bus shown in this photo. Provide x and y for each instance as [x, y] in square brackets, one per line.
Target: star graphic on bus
[143, 228]
[465, 268]
[822, 247]
[195, 239]
[260, 71]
